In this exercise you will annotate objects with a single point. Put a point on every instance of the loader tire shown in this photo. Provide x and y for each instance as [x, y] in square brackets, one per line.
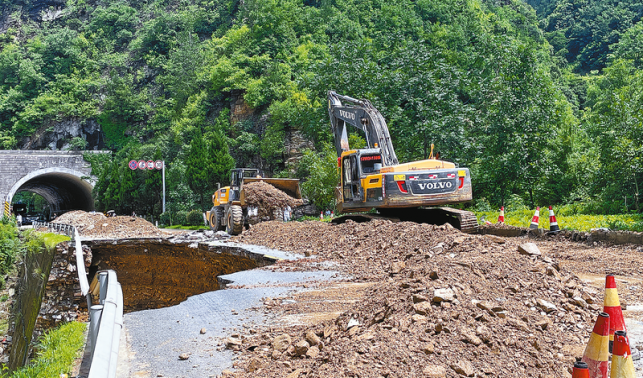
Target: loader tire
[234, 220]
[216, 219]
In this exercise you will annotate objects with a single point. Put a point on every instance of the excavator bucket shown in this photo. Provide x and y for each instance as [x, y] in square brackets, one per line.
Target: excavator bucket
[289, 186]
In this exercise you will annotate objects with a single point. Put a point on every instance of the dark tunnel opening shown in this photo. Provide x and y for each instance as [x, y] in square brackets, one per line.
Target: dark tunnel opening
[63, 191]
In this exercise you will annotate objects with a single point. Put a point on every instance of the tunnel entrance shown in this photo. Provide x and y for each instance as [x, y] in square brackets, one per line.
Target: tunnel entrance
[157, 273]
[63, 189]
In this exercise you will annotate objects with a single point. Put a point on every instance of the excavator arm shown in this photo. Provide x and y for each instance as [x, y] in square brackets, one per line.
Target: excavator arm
[364, 116]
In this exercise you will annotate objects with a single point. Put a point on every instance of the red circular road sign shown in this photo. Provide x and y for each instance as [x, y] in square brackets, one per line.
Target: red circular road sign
[150, 164]
[158, 164]
[133, 165]
[142, 164]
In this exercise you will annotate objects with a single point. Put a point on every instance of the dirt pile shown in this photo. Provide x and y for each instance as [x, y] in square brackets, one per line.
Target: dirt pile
[96, 225]
[445, 304]
[267, 198]
[80, 219]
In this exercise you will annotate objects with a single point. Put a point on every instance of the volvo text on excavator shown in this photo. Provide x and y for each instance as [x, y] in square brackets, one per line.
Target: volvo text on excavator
[373, 178]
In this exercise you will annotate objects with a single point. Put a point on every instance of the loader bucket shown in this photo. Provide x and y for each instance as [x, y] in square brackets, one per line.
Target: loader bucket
[289, 186]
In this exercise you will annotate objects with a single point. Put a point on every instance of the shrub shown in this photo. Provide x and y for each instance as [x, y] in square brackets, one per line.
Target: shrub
[181, 217]
[10, 246]
[195, 218]
[166, 218]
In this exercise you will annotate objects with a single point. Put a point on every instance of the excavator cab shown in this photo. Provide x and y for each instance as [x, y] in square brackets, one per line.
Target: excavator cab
[356, 166]
[350, 178]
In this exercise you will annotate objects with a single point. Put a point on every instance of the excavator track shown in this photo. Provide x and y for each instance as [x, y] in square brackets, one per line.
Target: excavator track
[463, 220]
[467, 221]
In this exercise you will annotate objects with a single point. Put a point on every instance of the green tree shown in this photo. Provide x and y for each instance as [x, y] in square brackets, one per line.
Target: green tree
[199, 166]
[318, 170]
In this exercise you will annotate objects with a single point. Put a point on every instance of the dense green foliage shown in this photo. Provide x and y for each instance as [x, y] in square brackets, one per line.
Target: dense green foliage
[56, 351]
[539, 98]
[10, 245]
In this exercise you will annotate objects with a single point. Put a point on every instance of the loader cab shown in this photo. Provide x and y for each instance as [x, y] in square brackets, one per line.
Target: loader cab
[236, 179]
[356, 165]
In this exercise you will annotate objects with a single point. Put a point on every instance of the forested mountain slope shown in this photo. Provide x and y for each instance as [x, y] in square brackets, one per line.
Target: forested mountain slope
[187, 80]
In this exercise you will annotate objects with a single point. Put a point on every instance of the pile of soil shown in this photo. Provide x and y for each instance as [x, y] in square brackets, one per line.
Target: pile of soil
[267, 198]
[80, 219]
[96, 225]
[444, 304]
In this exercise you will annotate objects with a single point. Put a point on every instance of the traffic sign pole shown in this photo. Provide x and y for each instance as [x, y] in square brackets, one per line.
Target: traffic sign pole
[142, 165]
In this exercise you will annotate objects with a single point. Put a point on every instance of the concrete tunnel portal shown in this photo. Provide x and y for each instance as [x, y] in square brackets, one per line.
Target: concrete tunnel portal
[63, 189]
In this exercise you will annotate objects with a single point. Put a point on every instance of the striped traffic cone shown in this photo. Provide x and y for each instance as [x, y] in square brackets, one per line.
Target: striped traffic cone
[553, 225]
[321, 216]
[596, 354]
[622, 364]
[580, 370]
[501, 217]
[612, 306]
[535, 219]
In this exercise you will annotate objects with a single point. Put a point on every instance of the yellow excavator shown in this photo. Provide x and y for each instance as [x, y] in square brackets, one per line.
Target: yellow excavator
[230, 211]
[372, 178]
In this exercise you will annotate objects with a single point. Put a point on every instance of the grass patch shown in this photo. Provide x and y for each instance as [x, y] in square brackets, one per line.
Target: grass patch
[51, 240]
[56, 351]
[4, 325]
[180, 227]
[569, 221]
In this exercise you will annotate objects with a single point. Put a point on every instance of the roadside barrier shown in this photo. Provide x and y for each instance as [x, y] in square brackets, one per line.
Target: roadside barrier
[61, 228]
[612, 306]
[622, 364]
[106, 317]
[596, 354]
[501, 217]
[535, 219]
[106, 322]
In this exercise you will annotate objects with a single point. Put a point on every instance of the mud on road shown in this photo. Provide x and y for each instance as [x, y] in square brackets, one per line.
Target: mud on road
[435, 303]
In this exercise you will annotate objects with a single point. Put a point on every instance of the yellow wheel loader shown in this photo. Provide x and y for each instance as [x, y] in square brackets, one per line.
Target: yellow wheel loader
[230, 211]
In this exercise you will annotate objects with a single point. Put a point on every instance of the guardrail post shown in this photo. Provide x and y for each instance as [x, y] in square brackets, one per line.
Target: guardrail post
[95, 313]
[102, 284]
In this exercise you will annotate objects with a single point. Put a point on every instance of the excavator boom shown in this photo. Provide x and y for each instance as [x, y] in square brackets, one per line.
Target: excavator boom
[364, 116]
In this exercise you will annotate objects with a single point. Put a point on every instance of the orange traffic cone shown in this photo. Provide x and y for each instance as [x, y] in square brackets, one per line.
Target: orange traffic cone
[596, 354]
[612, 306]
[535, 219]
[622, 364]
[501, 217]
[553, 225]
[580, 370]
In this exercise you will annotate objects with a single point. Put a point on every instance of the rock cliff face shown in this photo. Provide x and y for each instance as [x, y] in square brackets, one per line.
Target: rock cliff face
[44, 10]
[294, 140]
[58, 135]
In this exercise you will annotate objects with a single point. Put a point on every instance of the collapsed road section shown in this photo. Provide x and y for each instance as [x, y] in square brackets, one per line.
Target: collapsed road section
[157, 273]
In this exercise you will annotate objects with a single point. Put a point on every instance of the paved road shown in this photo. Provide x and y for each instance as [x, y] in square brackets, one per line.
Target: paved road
[153, 339]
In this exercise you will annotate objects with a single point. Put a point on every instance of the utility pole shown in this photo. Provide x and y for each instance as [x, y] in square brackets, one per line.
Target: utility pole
[163, 186]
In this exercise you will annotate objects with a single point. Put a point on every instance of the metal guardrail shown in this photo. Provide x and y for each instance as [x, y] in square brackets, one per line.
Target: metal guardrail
[106, 322]
[66, 229]
[106, 317]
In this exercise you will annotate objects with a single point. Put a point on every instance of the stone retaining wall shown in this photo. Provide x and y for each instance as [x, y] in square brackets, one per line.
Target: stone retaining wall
[617, 237]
